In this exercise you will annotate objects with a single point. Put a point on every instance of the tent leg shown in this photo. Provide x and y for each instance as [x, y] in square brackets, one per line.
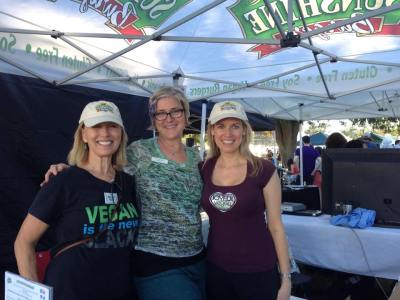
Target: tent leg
[203, 128]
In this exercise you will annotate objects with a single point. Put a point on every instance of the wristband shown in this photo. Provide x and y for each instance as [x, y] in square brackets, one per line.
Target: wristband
[287, 276]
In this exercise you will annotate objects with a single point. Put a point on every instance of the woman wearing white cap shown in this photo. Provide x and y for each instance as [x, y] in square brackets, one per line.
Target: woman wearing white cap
[92, 210]
[169, 256]
[247, 257]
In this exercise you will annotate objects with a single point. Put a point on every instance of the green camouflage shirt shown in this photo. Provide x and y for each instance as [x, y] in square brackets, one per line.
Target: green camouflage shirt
[170, 200]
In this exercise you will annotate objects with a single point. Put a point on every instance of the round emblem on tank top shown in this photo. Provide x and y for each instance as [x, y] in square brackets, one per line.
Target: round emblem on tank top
[223, 202]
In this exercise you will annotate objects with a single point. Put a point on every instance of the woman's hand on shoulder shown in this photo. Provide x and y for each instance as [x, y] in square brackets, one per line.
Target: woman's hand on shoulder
[53, 171]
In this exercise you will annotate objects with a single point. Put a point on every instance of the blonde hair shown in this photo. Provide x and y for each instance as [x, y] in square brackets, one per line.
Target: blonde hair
[79, 151]
[243, 148]
[168, 92]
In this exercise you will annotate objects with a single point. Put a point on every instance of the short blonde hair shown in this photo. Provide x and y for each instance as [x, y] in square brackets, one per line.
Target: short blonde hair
[168, 92]
[243, 148]
[79, 151]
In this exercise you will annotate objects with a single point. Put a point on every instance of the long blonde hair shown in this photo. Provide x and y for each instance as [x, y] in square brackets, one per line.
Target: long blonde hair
[79, 151]
[243, 148]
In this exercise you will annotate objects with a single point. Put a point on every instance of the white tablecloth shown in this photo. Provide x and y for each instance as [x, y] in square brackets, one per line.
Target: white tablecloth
[374, 251]
[314, 241]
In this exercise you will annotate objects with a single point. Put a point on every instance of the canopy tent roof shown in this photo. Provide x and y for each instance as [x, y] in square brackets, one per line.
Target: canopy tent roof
[345, 64]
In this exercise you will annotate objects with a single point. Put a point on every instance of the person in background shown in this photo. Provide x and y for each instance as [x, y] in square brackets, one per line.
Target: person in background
[355, 144]
[88, 206]
[335, 140]
[387, 142]
[317, 172]
[292, 172]
[292, 167]
[368, 142]
[397, 144]
[170, 253]
[247, 251]
[279, 159]
[309, 157]
[270, 157]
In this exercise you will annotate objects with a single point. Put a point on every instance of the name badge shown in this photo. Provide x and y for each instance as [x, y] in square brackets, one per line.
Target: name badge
[159, 160]
[110, 198]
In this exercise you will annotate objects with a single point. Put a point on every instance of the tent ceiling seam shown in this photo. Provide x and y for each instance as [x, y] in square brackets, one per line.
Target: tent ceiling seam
[253, 107]
[288, 72]
[371, 62]
[282, 108]
[338, 95]
[354, 108]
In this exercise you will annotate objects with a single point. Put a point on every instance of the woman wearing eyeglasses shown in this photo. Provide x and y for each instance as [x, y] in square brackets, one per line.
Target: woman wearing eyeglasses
[169, 250]
[169, 255]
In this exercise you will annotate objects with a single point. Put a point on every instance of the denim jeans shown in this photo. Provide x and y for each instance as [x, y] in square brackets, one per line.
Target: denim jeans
[184, 283]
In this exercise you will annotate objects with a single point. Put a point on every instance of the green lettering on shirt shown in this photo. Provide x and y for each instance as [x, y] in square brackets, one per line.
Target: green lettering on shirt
[91, 215]
[132, 210]
[124, 213]
[111, 212]
[103, 214]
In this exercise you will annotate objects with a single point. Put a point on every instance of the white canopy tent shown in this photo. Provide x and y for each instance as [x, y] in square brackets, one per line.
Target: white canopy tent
[339, 67]
[345, 64]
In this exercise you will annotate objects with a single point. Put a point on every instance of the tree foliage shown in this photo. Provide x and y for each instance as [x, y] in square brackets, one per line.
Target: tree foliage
[315, 127]
[381, 125]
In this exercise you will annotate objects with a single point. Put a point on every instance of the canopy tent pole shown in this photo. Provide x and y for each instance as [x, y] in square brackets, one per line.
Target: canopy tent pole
[203, 128]
[301, 143]
[149, 38]
[314, 53]
[167, 38]
[23, 68]
[74, 45]
[275, 18]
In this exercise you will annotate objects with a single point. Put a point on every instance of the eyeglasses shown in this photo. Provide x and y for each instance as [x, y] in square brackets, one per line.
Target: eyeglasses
[174, 114]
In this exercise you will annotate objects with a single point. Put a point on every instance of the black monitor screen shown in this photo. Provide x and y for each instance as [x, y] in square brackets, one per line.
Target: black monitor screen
[367, 178]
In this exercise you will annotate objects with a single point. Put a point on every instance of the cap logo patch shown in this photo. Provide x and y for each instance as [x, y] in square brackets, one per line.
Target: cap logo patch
[104, 107]
[228, 106]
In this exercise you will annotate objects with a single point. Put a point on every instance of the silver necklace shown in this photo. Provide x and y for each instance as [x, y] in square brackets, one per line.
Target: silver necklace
[172, 153]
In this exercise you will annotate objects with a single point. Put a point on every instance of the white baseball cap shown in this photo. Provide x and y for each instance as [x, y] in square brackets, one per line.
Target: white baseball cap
[227, 109]
[99, 112]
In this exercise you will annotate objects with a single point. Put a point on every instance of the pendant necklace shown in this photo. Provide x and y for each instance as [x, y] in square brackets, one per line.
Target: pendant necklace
[172, 153]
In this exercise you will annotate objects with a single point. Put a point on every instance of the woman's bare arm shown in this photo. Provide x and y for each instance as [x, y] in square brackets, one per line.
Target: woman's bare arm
[24, 246]
[272, 196]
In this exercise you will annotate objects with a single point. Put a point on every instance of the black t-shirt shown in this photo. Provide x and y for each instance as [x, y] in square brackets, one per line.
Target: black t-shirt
[78, 205]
